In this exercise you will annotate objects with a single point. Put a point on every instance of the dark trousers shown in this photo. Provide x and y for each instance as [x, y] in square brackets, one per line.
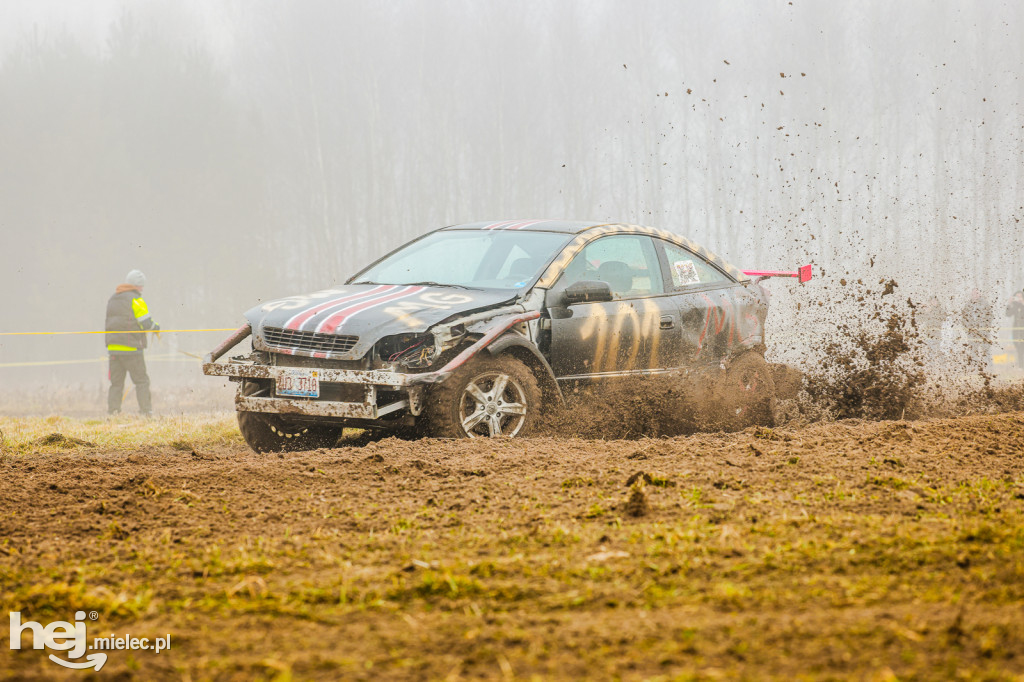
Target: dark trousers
[134, 364]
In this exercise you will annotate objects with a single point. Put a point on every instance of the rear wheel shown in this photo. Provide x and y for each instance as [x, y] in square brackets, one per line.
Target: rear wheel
[269, 433]
[490, 397]
[750, 390]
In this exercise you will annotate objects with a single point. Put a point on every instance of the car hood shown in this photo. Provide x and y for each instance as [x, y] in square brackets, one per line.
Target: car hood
[363, 313]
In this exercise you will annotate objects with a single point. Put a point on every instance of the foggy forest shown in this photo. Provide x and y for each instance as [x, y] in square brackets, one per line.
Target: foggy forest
[241, 151]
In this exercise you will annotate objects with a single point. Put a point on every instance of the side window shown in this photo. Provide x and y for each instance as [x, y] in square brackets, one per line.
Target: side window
[627, 262]
[688, 268]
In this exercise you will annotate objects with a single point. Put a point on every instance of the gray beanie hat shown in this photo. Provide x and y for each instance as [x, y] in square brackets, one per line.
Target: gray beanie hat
[136, 278]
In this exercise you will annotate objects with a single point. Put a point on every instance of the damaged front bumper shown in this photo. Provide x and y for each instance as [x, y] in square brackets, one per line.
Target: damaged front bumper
[384, 391]
[368, 408]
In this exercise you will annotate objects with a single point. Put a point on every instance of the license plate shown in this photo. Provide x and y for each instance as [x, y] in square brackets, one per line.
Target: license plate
[298, 383]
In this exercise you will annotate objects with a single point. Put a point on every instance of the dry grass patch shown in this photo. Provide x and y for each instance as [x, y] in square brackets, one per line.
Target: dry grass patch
[27, 435]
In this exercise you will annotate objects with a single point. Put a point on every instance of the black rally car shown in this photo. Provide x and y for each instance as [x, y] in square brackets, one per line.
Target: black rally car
[472, 330]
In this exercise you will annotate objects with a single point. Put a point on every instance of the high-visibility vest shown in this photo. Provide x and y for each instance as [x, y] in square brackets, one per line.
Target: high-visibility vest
[126, 311]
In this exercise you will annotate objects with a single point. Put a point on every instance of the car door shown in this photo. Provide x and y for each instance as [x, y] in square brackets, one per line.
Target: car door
[633, 332]
[718, 315]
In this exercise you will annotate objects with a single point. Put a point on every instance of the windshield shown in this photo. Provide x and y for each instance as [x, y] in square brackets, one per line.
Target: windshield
[478, 259]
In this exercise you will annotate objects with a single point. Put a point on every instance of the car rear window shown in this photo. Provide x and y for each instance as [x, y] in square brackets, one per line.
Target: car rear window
[689, 269]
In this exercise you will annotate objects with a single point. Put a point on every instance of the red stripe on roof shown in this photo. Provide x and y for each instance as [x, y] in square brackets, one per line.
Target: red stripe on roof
[525, 223]
[498, 226]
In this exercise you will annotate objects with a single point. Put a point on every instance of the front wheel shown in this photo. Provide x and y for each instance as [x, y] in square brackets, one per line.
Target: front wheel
[489, 397]
[270, 433]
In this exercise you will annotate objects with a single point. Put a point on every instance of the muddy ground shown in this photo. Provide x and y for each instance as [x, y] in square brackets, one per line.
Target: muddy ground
[853, 549]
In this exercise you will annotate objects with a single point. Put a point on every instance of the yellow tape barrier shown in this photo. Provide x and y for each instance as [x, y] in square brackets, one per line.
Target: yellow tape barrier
[51, 362]
[149, 358]
[1000, 359]
[131, 331]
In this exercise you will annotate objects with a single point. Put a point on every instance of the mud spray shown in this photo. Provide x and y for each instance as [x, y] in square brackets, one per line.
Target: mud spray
[886, 358]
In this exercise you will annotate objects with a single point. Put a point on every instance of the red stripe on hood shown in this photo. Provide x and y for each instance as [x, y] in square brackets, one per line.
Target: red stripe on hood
[386, 292]
[300, 319]
[334, 321]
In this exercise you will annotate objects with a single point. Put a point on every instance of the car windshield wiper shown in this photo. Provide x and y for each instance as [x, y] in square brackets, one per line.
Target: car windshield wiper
[429, 283]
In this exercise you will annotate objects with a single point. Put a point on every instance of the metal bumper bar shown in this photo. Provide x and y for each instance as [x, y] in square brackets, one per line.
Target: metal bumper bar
[341, 376]
[316, 408]
[228, 344]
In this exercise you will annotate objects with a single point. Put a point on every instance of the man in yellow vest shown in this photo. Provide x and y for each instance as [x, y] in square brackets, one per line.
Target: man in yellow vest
[127, 318]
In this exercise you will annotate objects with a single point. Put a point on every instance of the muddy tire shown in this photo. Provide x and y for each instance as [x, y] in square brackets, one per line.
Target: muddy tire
[750, 391]
[269, 433]
[489, 397]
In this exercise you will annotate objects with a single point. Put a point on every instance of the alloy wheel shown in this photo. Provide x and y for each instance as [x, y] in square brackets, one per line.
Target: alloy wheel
[492, 404]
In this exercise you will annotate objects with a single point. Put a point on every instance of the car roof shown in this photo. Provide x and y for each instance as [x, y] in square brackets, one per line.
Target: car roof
[587, 231]
[564, 226]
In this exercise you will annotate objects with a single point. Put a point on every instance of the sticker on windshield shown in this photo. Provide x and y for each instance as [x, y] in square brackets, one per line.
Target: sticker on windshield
[520, 284]
[684, 272]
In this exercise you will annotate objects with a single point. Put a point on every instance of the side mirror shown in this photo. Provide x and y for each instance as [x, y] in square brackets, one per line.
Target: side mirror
[587, 291]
